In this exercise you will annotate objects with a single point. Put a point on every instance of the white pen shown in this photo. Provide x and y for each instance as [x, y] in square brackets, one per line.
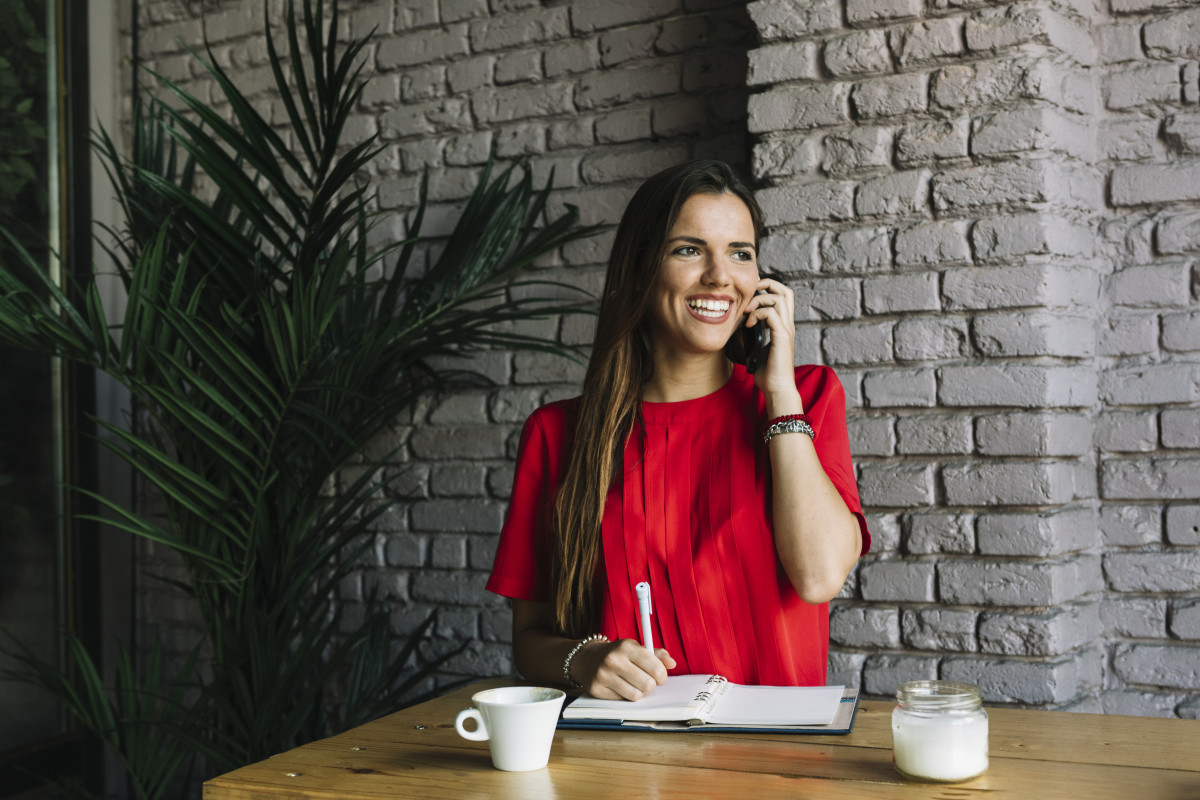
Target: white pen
[643, 596]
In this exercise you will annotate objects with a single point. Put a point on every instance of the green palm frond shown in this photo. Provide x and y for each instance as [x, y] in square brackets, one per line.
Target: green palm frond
[265, 346]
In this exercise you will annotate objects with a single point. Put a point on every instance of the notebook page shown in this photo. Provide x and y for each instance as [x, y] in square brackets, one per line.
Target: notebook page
[777, 705]
[675, 700]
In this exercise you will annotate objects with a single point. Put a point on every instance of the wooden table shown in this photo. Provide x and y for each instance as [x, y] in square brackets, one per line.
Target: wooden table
[1034, 755]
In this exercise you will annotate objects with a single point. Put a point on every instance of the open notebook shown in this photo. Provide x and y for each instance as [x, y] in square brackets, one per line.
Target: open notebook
[710, 702]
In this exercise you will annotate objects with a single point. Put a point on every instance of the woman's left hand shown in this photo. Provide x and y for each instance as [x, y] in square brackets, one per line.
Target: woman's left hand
[776, 309]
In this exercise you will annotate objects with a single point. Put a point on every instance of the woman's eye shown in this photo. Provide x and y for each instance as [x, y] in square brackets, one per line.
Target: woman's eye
[686, 250]
[743, 255]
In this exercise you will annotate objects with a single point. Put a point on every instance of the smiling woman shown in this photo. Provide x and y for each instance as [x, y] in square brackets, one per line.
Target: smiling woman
[671, 469]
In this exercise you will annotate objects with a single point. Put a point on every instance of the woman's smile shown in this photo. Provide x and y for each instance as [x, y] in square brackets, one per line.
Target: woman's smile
[712, 309]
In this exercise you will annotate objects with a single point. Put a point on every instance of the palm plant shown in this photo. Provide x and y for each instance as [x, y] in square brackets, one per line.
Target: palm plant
[264, 346]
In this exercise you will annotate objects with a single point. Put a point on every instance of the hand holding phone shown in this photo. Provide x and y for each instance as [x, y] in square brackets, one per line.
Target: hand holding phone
[749, 346]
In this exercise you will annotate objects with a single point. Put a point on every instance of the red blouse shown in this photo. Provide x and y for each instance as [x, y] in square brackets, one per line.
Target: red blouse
[691, 515]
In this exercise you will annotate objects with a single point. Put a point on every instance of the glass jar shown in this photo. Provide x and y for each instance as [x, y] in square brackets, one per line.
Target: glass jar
[939, 731]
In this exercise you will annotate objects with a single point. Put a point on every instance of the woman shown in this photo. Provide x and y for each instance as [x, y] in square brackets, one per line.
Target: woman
[659, 472]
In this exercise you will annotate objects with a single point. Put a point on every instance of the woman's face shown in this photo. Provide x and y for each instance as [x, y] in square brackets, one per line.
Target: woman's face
[708, 276]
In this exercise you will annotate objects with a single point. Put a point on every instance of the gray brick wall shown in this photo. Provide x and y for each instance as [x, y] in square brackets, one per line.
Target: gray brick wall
[989, 212]
[994, 209]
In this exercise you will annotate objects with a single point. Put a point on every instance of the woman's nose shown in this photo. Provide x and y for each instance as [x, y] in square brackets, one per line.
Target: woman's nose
[716, 272]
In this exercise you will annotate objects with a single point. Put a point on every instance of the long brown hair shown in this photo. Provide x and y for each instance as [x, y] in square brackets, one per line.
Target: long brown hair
[619, 369]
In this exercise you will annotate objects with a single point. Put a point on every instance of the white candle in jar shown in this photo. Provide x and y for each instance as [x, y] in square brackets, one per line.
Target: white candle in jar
[939, 731]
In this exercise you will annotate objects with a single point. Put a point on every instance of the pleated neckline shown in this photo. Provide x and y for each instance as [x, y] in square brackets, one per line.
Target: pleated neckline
[731, 395]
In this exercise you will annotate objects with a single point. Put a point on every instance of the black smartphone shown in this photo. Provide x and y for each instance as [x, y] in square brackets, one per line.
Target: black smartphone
[748, 346]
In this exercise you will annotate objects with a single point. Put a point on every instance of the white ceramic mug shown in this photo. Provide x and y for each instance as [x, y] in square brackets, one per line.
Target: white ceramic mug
[517, 722]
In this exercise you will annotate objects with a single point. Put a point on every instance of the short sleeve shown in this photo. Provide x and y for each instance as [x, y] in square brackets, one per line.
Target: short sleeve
[825, 403]
[521, 569]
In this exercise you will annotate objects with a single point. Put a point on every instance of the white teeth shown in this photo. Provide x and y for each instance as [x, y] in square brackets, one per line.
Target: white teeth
[709, 308]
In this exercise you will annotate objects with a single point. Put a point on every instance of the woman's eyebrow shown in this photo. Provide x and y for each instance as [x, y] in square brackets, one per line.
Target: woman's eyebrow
[698, 240]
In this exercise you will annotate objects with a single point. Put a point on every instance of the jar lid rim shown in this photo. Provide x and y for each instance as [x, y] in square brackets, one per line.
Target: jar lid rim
[948, 694]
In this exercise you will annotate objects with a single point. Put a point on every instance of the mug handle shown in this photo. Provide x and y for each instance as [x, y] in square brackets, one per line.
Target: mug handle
[480, 733]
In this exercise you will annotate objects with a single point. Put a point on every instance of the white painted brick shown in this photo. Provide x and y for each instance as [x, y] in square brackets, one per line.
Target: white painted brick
[1119, 43]
[1134, 617]
[448, 552]
[1181, 132]
[1127, 334]
[900, 388]
[902, 485]
[872, 436]
[465, 76]
[1170, 666]
[885, 532]
[1011, 183]
[934, 435]
[883, 674]
[1181, 428]
[611, 13]
[905, 581]
[942, 630]
[1144, 84]
[1126, 432]
[626, 44]
[1034, 333]
[798, 108]
[577, 132]
[1020, 25]
[1018, 681]
[1033, 434]
[680, 34]
[858, 53]
[610, 165]
[1152, 385]
[1173, 36]
[1037, 534]
[1178, 233]
[845, 669]
[1150, 479]
[790, 253]
[1183, 524]
[1129, 139]
[776, 19]
[826, 298]
[1048, 633]
[932, 243]
[626, 124]
[892, 96]
[931, 338]
[518, 67]
[451, 515]
[986, 83]
[1138, 6]
[1153, 285]
[806, 202]
[1025, 484]
[439, 116]
[1185, 619]
[1037, 129]
[858, 344]
[863, 12]
[1027, 386]
[861, 148]
[938, 532]
[545, 368]
[570, 57]
[932, 142]
[614, 87]
[1151, 183]
[927, 41]
[913, 291]
[458, 10]
[1131, 525]
[776, 63]
[425, 47]
[976, 581]
[898, 194]
[1181, 332]
[787, 157]
[864, 626]
[862, 250]
[417, 14]
[680, 117]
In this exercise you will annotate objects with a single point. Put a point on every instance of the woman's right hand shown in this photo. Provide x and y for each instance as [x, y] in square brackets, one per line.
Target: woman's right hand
[621, 670]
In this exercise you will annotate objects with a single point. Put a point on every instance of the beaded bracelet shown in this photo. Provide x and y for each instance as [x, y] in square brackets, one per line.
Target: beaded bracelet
[788, 426]
[574, 684]
[789, 418]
